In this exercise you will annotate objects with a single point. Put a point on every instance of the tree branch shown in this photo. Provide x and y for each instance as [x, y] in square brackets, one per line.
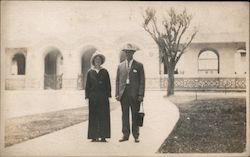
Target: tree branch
[184, 47]
[156, 27]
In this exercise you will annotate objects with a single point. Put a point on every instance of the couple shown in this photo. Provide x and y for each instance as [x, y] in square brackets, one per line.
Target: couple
[130, 88]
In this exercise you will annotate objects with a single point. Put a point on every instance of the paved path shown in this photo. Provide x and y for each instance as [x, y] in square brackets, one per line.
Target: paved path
[161, 116]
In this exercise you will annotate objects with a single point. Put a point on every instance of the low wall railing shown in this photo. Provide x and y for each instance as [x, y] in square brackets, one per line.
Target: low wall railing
[52, 81]
[15, 84]
[155, 83]
[197, 83]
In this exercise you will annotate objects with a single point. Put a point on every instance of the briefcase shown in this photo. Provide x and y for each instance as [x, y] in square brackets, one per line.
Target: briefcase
[140, 117]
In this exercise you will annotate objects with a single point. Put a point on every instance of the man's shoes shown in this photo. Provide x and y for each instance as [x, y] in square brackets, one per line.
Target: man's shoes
[123, 139]
[137, 140]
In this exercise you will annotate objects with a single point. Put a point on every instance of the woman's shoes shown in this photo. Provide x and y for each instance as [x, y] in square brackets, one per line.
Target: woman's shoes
[94, 140]
[103, 140]
[97, 140]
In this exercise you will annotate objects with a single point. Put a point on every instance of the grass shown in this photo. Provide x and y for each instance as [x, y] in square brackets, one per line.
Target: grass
[215, 125]
[24, 128]
[20, 129]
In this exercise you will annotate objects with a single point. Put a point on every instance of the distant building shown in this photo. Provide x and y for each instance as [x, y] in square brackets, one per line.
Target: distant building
[55, 65]
[46, 50]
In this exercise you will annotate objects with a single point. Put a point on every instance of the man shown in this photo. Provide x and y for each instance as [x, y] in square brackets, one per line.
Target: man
[130, 88]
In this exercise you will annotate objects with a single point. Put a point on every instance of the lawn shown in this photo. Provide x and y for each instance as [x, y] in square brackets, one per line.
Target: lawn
[215, 125]
[20, 129]
[23, 128]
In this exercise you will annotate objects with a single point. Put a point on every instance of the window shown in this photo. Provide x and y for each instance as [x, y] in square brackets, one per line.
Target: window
[18, 64]
[240, 62]
[242, 55]
[208, 62]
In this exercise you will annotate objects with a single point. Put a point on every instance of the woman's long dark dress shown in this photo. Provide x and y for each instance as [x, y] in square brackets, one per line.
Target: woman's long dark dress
[98, 91]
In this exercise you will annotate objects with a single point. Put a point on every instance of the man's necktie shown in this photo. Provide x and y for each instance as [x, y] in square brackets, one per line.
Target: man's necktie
[128, 81]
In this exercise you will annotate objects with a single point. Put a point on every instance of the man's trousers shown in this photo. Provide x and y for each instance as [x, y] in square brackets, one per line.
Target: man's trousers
[129, 102]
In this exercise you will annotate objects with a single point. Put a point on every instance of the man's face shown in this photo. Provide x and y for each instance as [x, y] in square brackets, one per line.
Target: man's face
[129, 54]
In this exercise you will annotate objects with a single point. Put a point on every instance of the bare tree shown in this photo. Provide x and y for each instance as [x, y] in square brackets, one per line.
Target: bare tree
[169, 35]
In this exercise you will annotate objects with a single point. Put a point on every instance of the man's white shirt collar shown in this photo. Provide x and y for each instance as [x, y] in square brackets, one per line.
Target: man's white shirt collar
[130, 62]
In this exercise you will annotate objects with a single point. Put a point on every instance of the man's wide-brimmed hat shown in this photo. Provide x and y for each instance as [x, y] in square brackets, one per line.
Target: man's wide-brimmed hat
[97, 53]
[130, 47]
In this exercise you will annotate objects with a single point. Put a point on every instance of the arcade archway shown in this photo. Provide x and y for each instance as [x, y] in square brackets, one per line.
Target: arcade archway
[85, 66]
[53, 62]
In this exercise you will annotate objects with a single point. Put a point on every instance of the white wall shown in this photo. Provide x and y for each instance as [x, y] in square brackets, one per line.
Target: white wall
[189, 61]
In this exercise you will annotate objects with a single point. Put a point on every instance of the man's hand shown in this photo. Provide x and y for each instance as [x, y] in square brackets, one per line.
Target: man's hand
[140, 98]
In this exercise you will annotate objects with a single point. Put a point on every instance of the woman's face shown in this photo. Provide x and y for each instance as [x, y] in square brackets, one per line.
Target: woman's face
[97, 61]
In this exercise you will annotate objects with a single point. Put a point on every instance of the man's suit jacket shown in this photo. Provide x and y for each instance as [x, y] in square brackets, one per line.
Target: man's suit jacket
[136, 77]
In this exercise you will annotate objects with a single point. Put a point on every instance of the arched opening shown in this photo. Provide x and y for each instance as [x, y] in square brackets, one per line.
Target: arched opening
[53, 62]
[18, 64]
[208, 62]
[85, 66]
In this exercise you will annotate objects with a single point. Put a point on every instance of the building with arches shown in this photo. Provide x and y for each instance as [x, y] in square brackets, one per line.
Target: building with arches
[46, 53]
[216, 66]
[215, 59]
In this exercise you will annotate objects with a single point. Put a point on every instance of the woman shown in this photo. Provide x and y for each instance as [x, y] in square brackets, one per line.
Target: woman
[97, 93]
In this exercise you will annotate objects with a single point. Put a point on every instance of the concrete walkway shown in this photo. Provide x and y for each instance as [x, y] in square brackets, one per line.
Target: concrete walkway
[161, 117]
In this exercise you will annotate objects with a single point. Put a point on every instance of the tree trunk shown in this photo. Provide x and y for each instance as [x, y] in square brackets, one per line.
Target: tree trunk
[170, 89]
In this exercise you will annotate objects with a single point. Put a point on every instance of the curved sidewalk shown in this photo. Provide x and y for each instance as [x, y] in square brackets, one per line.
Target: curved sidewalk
[161, 116]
